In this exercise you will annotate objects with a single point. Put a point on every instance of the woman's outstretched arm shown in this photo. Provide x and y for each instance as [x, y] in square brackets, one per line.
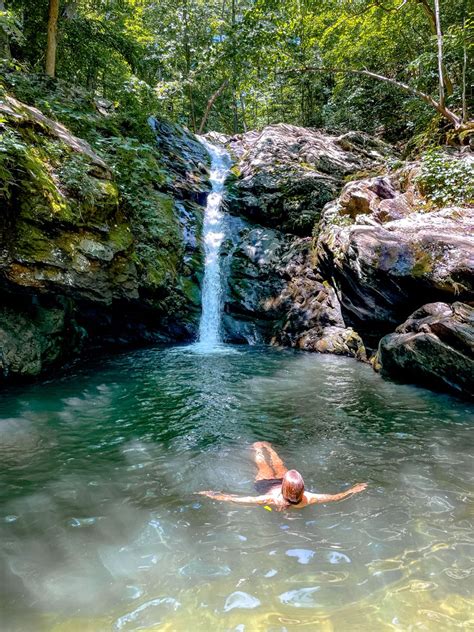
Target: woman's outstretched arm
[328, 498]
[246, 500]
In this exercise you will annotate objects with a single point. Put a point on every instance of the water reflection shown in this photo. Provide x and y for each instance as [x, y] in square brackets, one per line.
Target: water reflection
[100, 528]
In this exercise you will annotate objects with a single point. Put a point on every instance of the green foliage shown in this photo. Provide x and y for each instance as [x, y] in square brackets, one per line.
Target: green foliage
[12, 152]
[24, 163]
[138, 172]
[74, 176]
[168, 58]
[446, 179]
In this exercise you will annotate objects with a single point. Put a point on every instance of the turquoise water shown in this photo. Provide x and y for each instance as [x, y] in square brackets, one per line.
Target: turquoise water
[100, 527]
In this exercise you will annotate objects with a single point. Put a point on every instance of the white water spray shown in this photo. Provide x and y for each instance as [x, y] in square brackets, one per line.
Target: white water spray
[213, 236]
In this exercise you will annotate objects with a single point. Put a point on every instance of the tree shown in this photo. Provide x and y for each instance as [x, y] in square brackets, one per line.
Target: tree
[51, 45]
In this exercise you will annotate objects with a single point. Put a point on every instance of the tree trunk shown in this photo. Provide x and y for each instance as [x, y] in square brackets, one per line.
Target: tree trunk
[439, 37]
[187, 56]
[244, 115]
[464, 70]
[431, 15]
[52, 38]
[209, 105]
[4, 42]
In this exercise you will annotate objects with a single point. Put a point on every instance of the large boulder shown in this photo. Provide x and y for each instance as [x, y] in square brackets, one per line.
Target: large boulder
[274, 295]
[387, 253]
[253, 281]
[127, 267]
[286, 174]
[434, 348]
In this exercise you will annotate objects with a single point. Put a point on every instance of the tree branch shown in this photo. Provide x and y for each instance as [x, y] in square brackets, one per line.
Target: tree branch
[210, 103]
[442, 109]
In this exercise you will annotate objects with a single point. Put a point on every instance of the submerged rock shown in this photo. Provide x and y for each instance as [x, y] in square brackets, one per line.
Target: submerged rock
[434, 347]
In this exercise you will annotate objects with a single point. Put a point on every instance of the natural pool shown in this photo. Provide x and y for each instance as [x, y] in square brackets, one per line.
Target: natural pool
[100, 528]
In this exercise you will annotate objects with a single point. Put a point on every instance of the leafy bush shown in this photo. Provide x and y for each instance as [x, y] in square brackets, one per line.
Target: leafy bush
[446, 179]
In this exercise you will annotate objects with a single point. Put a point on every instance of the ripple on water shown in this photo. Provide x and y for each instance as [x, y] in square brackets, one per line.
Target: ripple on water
[99, 512]
[149, 614]
[241, 600]
[301, 597]
[304, 556]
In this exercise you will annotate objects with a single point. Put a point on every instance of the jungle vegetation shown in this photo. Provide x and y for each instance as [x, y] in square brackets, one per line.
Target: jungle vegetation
[396, 68]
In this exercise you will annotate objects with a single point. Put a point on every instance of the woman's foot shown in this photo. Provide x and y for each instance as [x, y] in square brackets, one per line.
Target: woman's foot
[261, 444]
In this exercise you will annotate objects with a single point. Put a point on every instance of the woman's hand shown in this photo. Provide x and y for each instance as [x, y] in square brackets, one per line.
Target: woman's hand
[358, 488]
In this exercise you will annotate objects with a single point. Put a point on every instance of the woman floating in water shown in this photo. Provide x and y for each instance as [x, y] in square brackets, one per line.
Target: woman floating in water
[279, 486]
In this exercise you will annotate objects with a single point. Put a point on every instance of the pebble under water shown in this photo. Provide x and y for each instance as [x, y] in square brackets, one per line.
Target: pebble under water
[100, 527]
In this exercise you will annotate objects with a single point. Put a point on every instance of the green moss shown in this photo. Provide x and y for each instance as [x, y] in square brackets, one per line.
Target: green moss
[121, 237]
[31, 243]
[423, 265]
[191, 291]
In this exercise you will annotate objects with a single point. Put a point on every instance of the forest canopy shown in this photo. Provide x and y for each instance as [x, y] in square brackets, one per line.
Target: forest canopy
[233, 65]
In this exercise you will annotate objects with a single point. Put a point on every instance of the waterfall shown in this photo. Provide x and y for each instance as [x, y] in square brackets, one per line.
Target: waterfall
[213, 236]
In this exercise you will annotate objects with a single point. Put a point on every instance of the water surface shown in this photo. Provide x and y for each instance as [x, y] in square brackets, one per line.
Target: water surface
[100, 527]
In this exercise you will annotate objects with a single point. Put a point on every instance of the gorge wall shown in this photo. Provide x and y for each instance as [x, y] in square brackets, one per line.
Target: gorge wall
[332, 250]
[327, 249]
[80, 267]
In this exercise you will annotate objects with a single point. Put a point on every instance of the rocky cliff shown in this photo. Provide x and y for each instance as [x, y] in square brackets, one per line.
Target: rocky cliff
[337, 276]
[328, 248]
[91, 254]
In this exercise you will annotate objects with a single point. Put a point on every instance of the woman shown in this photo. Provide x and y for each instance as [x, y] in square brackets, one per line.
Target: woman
[279, 486]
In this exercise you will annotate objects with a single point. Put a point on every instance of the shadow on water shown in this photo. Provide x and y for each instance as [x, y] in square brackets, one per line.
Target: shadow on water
[101, 529]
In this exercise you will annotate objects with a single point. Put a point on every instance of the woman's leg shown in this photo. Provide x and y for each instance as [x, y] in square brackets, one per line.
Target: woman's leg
[264, 469]
[269, 464]
[277, 464]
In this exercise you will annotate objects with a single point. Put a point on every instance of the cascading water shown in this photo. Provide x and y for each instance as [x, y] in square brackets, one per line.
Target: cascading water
[213, 236]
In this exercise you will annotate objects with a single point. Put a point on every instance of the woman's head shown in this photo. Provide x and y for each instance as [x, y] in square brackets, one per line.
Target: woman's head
[292, 486]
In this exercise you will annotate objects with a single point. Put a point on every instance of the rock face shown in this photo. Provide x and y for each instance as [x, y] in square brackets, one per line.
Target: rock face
[387, 255]
[339, 278]
[78, 267]
[286, 174]
[274, 294]
[252, 269]
[434, 347]
[32, 337]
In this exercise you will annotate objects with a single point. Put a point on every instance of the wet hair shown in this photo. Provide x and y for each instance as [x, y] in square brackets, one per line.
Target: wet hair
[292, 487]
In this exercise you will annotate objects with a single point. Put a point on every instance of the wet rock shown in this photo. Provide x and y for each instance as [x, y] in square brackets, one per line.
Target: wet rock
[434, 347]
[35, 337]
[129, 274]
[286, 174]
[274, 295]
[253, 282]
[386, 254]
[335, 340]
[312, 318]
